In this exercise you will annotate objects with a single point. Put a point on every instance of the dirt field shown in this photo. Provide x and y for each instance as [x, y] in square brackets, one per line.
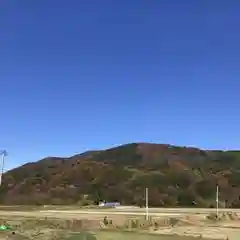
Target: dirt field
[186, 222]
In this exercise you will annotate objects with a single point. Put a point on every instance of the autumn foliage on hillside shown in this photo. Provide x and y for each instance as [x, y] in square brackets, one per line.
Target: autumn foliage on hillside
[175, 176]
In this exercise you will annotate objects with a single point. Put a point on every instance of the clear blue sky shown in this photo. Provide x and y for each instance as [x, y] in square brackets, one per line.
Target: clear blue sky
[79, 75]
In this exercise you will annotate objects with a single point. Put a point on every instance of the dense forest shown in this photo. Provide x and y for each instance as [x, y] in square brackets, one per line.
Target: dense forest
[175, 176]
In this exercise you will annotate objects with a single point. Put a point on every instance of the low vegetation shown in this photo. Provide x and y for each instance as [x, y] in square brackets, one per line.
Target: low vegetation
[105, 228]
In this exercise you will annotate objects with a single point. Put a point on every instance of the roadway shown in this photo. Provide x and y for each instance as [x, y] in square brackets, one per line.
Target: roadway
[82, 213]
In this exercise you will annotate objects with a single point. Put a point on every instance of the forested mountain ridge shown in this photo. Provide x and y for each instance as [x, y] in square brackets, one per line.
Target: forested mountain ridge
[175, 176]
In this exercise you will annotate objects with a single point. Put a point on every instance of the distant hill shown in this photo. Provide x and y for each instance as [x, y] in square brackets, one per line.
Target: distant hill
[175, 176]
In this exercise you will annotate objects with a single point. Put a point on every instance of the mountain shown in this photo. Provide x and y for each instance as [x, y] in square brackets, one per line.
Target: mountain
[175, 176]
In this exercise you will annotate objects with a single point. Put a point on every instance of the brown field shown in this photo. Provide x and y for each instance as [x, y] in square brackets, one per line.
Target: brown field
[166, 224]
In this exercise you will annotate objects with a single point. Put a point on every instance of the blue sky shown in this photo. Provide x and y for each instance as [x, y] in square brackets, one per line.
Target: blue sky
[79, 75]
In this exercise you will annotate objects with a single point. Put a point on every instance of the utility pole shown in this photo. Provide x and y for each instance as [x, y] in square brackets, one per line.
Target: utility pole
[146, 198]
[217, 201]
[3, 154]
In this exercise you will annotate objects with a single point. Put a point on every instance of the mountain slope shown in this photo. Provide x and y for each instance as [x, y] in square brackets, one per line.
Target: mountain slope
[174, 175]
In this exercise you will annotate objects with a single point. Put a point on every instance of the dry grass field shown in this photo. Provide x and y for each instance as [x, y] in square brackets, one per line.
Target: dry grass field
[122, 224]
